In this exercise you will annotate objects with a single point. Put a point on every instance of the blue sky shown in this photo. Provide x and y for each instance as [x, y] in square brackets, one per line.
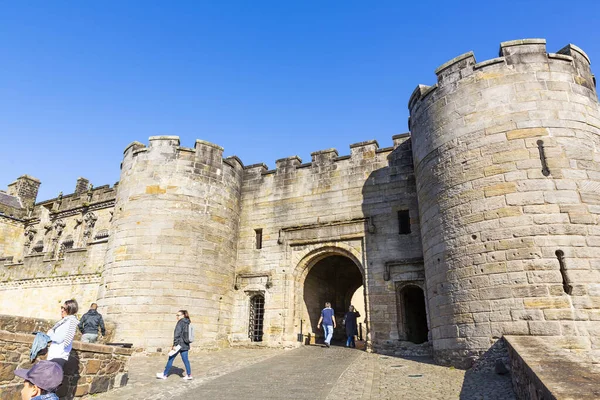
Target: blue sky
[265, 80]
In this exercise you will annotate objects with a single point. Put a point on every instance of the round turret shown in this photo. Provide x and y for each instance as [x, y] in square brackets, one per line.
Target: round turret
[506, 156]
[173, 242]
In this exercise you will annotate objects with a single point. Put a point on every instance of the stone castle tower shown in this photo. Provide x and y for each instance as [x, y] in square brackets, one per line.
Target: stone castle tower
[175, 231]
[507, 162]
[483, 221]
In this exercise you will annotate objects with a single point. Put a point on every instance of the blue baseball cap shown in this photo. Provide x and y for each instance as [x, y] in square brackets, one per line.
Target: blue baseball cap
[46, 375]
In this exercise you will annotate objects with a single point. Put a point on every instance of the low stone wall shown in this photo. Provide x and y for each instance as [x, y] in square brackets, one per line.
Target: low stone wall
[16, 324]
[553, 367]
[92, 368]
[400, 348]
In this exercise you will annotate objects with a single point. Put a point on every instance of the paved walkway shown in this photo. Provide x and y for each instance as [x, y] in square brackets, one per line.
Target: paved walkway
[309, 372]
[379, 377]
[206, 366]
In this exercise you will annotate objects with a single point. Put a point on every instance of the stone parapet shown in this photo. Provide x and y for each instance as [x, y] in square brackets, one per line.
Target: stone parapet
[93, 198]
[553, 368]
[91, 369]
[27, 325]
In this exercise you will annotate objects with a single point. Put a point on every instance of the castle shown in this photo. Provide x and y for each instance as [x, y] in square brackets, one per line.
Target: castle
[483, 221]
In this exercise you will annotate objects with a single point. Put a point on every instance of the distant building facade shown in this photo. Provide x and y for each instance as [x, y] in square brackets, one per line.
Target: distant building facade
[483, 221]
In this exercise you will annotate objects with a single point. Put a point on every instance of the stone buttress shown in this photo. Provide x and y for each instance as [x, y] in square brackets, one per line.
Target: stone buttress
[507, 162]
[173, 243]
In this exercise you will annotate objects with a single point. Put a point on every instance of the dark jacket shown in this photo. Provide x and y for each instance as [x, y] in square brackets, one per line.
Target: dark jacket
[90, 322]
[181, 326]
[350, 321]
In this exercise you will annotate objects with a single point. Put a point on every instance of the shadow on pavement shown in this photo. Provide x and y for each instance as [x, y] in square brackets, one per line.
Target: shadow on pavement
[176, 371]
[489, 378]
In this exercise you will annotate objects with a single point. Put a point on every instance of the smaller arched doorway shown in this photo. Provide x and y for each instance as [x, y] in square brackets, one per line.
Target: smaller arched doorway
[413, 314]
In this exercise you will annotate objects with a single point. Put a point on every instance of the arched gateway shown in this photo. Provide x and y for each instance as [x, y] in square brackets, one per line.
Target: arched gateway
[328, 274]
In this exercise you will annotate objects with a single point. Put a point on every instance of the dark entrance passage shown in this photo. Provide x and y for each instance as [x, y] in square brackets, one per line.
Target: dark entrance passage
[415, 315]
[334, 279]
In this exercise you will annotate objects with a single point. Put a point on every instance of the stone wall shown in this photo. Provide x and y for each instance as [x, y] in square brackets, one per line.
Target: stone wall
[55, 253]
[53, 280]
[507, 160]
[545, 368]
[330, 206]
[11, 239]
[26, 325]
[92, 368]
[43, 297]
[70, 222]
[173, 243]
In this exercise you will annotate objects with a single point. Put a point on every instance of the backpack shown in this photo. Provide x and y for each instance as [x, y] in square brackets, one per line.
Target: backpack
[188, 334]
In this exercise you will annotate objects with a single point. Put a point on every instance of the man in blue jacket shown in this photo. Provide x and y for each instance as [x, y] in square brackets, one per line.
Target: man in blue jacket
[89, 323]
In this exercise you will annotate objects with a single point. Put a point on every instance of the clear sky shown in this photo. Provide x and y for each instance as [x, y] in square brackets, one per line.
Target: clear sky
[263, 79]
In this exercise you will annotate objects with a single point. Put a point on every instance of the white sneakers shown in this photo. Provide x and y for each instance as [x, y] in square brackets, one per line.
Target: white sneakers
[160, 375]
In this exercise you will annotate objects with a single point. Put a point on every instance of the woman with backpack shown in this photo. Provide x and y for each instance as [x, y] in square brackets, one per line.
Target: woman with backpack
[181, 345]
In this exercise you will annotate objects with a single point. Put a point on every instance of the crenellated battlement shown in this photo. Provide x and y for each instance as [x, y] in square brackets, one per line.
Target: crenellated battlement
[360, 152]
[101, 196]
[516, 56]
[168, 148]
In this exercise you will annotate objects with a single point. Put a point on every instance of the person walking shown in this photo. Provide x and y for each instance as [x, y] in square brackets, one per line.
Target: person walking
[181, 345]
[351, 326]
[328, 320]
[63, 333]
[89, 324]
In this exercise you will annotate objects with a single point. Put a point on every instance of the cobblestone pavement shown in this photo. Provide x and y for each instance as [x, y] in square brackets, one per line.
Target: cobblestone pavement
[374, 377]
[305, 373]
[309, 372]
[206, 366]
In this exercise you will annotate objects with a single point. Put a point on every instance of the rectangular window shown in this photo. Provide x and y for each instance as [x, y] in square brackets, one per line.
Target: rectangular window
[403, 222]
[258, 233]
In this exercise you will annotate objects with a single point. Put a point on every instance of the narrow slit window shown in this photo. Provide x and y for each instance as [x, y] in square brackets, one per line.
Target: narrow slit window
[567, 287]
[258, 235]
[545, 169]
[403, 222]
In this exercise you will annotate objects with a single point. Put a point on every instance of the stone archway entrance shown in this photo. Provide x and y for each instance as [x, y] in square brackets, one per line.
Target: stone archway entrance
[334, 278]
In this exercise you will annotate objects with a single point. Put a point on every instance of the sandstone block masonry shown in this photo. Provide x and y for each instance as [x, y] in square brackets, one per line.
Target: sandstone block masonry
[53, 251]
[91, 369]
[507, 160]
[173, 243]
[481, 222]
